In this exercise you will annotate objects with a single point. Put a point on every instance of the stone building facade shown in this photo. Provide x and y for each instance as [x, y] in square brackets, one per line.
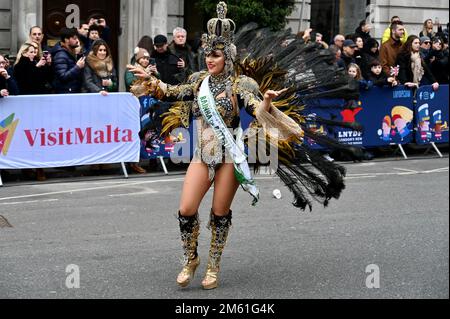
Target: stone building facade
[135, 18]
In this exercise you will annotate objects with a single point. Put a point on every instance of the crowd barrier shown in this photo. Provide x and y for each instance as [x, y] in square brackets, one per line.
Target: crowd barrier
[83, 129]
[389, 116]
[47, 131]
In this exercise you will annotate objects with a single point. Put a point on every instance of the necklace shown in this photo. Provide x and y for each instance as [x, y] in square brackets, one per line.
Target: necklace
[218, 83]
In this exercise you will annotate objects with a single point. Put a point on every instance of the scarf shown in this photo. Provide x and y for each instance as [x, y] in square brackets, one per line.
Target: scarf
[416, 67]
[103, 68]
[207, 107]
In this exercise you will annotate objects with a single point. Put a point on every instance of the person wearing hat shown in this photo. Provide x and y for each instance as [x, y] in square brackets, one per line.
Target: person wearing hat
[167, 63]
[142, 58]
[348, 53]
[425, 46]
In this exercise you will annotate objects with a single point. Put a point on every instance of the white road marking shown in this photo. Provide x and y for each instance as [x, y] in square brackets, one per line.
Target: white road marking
[92, 189]
[130, 184]
[145, 192]
[30, 202]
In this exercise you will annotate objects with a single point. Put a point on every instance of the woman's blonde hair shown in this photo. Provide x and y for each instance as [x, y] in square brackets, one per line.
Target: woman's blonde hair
[24, 48]
[425, 30]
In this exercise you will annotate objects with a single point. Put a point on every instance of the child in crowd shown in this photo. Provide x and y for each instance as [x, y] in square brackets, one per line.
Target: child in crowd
[378, 77]
[354, 71]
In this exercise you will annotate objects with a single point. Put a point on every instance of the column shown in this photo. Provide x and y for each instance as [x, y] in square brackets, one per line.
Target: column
[29, 15]
[139, 18]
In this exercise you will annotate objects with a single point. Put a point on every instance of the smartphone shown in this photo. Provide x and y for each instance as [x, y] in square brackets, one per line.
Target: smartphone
[152, 61]
[45, 54]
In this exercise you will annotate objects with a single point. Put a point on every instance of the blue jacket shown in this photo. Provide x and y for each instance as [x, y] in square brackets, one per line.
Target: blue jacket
[68, 76]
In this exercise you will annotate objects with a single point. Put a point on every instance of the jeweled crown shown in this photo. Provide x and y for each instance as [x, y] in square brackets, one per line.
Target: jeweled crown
[220, 30]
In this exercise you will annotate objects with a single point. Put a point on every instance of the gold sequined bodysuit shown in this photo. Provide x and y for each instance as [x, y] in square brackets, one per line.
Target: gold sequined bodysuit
[231, 94]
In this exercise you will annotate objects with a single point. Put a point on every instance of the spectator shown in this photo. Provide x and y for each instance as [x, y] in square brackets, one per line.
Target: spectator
[68, 69]
[339, 41]
[8, 85]
[427, 29]
[83, 31]
[142, 58]
[201, 55]
[413, 69]
[354, 71]
[37, 36]
[32, 74]
[348, 53]
[180, 48]
[370, 52]
[100, 76]
[438, 58]
[170, 67]
[390, 49]
[387, 33]
[104, 30]
[83, 35]
[363, 31]
[318, 38]
[358, 55]
[378, 77]
[145, 43]
[425, 46]
[337, 54]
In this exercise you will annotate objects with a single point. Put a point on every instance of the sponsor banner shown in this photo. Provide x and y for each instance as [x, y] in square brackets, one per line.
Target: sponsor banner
[432, 115]
[68, 130]
[386, 115]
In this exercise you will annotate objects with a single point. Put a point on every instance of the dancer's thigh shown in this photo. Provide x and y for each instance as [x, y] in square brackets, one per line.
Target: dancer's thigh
[225, 187]
[196, 185]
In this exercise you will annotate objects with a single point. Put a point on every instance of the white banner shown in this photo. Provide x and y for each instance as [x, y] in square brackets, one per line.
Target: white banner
[46, 131]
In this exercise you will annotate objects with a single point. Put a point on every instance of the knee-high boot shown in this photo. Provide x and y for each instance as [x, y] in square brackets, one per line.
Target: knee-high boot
[190, 230]
[220, 227]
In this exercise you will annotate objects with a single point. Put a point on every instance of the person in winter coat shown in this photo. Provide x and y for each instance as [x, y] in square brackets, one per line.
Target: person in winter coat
[438, 61]
[370, 52]
[363, 31]
[171, 68]
[8, 85]
[142, 60]
[68, 68]
[181, 49]
[378, 77]
[100, 76]
[33, 75]
[413, 70]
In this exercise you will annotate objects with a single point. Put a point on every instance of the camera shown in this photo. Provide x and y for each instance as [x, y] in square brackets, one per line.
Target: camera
[45, 54]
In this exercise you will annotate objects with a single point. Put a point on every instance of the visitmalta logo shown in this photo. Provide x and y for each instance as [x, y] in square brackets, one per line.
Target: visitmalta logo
[7, 129]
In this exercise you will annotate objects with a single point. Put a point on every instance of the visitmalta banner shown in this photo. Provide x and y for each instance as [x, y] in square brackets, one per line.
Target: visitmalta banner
[46, 131]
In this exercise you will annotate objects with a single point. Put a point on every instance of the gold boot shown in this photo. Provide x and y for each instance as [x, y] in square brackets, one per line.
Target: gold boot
[190, 230]
[220, 227]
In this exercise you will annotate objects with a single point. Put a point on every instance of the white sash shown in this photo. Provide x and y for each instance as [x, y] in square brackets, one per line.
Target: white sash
[209, 111]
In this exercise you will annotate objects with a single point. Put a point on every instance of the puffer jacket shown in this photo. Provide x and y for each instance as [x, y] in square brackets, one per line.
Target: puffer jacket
[68, 76]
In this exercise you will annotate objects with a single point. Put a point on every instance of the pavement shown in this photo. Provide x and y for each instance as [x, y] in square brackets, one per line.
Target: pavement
[386, 237]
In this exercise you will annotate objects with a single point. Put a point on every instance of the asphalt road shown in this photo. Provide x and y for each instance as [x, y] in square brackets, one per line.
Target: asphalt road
[122, 235]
